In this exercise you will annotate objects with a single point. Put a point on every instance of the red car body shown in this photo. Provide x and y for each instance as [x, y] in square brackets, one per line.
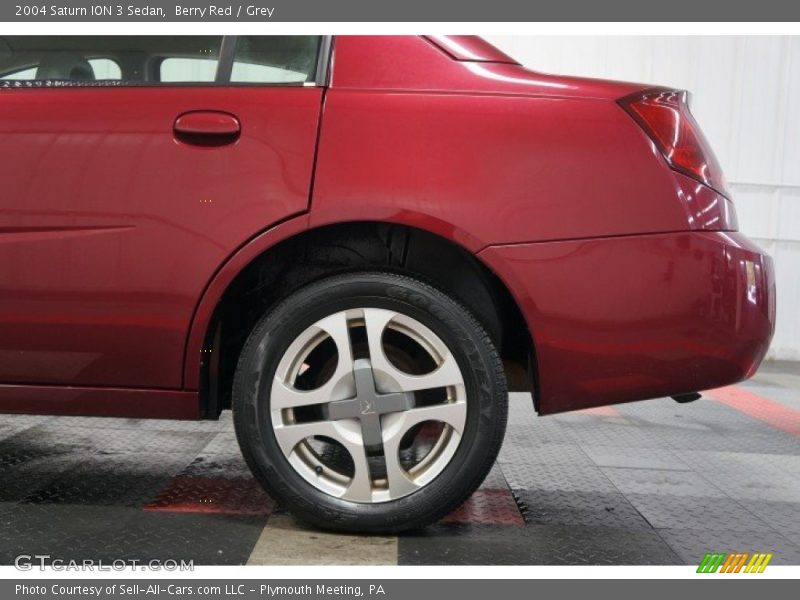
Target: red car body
[118, 241]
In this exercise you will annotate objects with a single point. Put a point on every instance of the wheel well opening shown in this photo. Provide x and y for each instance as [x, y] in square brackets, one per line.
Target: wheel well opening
[334, 249]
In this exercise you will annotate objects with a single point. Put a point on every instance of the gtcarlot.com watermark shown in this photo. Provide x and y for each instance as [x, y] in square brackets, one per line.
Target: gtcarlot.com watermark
[29, 562]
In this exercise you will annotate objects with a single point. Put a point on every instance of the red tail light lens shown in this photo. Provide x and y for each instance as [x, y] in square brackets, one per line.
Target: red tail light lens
[665, 117]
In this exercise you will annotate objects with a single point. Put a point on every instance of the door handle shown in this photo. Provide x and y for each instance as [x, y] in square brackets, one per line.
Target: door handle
[207, 128]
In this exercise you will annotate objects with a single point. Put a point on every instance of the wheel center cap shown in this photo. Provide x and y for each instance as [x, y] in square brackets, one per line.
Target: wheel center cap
[368, 404]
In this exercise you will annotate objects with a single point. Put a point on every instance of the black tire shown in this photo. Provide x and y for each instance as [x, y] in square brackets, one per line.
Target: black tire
[470, 345]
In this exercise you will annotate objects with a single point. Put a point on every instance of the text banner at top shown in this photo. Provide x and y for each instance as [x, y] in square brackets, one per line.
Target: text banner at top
[465, 11]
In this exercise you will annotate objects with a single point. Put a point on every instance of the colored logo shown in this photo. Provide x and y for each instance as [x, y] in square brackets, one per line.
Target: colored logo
[739, 562]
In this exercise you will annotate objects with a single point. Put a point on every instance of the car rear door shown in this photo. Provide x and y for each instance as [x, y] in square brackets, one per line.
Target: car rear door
[132, 167]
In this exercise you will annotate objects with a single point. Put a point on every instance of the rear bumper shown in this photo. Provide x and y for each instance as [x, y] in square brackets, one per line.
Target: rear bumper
[636, 317]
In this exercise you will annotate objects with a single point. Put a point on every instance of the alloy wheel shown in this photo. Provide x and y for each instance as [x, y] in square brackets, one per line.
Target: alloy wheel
[368, 405]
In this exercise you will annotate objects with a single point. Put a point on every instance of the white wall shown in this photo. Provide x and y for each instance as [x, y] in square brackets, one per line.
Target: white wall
[746, 97]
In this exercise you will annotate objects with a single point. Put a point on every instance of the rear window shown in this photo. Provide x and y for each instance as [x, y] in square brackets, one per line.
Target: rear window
[159, 60]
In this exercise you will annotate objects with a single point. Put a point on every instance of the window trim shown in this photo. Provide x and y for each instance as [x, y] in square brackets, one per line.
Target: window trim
[227, 54]
[324, 61]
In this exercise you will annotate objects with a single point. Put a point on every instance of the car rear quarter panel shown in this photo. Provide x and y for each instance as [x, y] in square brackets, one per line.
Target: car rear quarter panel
[627, 292]
[491, 169]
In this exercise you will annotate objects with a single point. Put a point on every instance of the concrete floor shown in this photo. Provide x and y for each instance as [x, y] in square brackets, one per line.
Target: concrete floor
[645, 483]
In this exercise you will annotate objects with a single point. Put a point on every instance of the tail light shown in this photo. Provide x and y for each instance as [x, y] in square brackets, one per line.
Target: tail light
[665, 117]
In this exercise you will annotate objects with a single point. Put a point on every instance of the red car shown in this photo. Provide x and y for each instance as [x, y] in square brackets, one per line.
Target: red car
[354, 243]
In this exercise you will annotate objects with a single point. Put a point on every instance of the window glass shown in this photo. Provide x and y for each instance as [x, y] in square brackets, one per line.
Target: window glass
[155, 60]
[203, 70]
[102, 69]
[105, 68]
[275, 59]
[24, 74]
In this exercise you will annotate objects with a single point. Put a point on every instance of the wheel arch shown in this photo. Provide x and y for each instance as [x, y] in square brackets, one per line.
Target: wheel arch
[295, 252]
